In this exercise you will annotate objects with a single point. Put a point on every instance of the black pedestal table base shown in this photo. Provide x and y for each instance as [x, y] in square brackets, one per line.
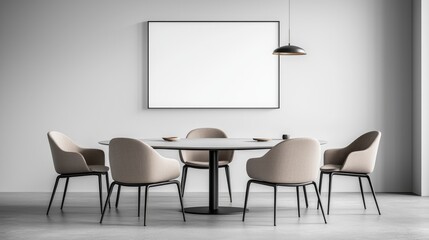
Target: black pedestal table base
[218, 211]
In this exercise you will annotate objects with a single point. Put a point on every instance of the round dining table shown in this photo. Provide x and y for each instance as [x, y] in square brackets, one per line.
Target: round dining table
[213, 146]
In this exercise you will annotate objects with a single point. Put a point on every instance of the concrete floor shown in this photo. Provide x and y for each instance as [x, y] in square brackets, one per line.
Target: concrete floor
[22, 216]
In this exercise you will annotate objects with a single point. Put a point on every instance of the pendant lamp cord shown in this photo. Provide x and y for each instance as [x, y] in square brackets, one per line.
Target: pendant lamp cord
[289, 22]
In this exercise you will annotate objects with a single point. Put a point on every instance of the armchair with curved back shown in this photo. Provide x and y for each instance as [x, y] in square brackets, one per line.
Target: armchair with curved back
[136, 164]
[71, 160]
[291, 163]
[356, 160]
[200, 159]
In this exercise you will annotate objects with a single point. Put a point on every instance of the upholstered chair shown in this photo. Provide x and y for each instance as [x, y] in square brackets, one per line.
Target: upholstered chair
[200, 159]
[355, 160]
[136, 164]
[291, 163]
[71, 160]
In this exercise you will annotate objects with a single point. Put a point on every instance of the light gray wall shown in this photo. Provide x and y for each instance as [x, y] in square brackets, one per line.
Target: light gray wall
[80, 67]
[425, 96]
[420, 97]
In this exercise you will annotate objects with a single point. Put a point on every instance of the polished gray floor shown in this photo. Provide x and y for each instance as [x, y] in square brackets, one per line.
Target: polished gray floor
[22, 216]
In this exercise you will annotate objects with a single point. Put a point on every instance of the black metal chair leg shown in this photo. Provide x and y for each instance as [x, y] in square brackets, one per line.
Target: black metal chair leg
[145, 204]
[107, 200]
[140, 192]
[297, 200]
[107, 185]
[53, 194]
[184, 175]
[117, 196]
[361, 191]
[181, 201]
[320, 186]
[100, 192]
[305, 196]
[228, 180]
[275, 204]
[329, 191]
[245, 199]
[65, 191]
[320, 202]
[373, 194]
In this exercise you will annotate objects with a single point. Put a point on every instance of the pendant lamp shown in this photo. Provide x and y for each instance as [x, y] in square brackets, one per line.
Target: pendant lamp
[289, 49]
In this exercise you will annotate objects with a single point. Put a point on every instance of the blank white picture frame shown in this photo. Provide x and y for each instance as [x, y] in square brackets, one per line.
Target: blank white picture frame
[213, 64]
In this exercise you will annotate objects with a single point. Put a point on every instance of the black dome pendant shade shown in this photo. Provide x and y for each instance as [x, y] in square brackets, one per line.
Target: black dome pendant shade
[289, 49]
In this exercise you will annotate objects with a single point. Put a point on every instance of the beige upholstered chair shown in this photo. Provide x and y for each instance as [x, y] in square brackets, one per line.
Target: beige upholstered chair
[291, 163]
[70, 160]
[356, 160]
[135, 164]
[200, 159]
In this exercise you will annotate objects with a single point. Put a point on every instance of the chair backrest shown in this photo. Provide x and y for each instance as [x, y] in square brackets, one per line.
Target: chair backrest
[132, 161]
[61, 142]
[369, 140]
[367, 146]
[203, 156]
[291, 161]
[61, 145]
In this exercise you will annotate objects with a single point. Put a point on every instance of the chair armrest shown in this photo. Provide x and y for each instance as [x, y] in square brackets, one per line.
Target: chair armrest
[258, 168]
[93, 156]
[359, 162]
[163, 169]
[335, 156]
[268, 170]
[71, 162]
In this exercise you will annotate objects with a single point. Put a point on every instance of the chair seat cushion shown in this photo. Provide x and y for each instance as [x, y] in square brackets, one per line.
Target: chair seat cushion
[205, 164]
[98, 168]
[330, 168]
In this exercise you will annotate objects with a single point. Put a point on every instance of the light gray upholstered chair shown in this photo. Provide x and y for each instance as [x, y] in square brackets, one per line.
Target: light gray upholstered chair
[356, 160]
[200, 159]
[291, 163]
[70, 160]
[135, 164]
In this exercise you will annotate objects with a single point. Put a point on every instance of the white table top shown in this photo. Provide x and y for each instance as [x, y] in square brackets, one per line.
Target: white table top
[210, 143]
